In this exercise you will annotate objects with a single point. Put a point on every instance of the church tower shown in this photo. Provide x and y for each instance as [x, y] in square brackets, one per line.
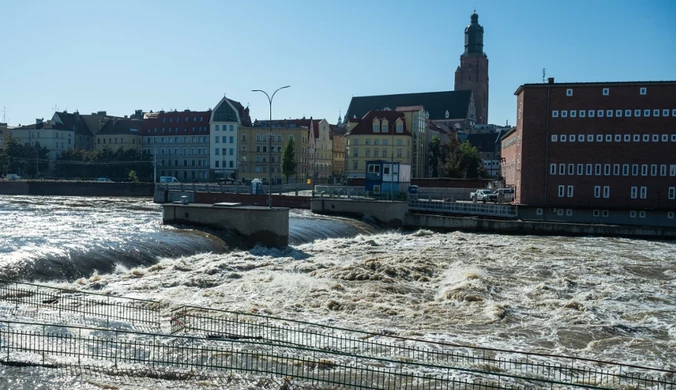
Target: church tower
[473, 70]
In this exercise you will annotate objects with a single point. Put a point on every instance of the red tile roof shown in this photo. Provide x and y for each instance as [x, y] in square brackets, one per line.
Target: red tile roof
[176, 121]
[365, 125]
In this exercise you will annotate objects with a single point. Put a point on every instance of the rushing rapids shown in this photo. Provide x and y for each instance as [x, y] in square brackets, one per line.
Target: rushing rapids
[602, 298]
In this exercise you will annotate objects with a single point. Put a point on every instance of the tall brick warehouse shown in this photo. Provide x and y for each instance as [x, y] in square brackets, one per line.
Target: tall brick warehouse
[472, 73]
[595, 152]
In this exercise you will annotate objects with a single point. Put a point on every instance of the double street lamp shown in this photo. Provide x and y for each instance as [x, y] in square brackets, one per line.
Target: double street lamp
[270, 141]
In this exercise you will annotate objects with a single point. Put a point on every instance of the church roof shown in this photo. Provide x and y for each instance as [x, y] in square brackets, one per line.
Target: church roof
[436, 103]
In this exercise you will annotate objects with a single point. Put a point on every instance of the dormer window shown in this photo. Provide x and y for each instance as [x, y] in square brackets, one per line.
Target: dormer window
[376, 126]
[385, 126]
[400, 126]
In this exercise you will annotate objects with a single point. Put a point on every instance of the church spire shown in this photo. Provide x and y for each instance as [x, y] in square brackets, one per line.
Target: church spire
[474, 36]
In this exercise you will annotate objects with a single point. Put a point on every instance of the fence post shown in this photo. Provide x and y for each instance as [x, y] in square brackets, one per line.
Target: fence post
[9, 331]
[115, 352]
[43, 344]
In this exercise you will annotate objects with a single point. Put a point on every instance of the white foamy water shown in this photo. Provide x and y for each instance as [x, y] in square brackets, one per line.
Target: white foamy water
[602, 298]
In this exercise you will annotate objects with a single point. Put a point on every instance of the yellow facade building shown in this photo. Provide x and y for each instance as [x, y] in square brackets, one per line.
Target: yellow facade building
[379, 135]
[253, 153]
[338, 156]
[119, 133]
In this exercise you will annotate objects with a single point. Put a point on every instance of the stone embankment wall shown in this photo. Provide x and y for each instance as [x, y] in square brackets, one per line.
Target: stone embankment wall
[509, 226]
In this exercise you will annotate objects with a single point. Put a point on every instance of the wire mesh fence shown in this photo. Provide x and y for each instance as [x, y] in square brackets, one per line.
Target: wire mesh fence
[59, 305]
[500, 363]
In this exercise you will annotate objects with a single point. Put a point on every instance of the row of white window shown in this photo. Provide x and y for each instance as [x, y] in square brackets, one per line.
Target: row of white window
[228, 127]
[606, 91]
[177, 140]
[567, 191]
[612, 169]
[178, 119]
[617, 113]
[613, 137]
[604, 213]
[186, 151]
[185, 130]
[225, 139]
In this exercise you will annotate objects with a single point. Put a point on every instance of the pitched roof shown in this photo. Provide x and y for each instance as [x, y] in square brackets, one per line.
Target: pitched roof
[177, 120]
[224, 112]
[71, 121]
[303, 122]
[122, 127]
[365, 126]
[436, 103]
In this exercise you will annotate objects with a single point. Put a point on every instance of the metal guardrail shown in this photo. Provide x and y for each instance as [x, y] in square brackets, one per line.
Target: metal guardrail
[221, 341]
[230, 188]
[75, 306]
[489, 209]
[185, 357]
[542, 369]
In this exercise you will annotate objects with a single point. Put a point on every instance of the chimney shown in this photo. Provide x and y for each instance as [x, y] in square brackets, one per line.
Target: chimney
[550, 80]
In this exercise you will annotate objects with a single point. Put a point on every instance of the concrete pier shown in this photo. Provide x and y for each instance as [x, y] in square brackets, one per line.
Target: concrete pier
[268, 226]
[392, 214]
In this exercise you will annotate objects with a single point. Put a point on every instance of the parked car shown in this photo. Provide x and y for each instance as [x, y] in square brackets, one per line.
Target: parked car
[227, 181]
[483, 195]
[505, 194]
[104, 180]
[13, 176]
[168, 179]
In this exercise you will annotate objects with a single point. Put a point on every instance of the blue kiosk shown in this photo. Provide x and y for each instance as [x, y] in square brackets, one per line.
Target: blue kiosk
[387, 179]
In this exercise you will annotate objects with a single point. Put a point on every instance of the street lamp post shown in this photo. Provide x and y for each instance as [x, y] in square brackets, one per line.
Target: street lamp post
[270, 141]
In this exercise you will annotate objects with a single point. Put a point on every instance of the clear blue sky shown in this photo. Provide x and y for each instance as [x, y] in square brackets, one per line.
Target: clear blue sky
[150, 54]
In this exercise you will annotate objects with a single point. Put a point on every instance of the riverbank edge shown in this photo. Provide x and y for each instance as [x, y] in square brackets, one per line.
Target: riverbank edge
[528, 227]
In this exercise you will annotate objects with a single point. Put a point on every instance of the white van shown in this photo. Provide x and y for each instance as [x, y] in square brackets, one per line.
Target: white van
[13, 176]
[168, 179]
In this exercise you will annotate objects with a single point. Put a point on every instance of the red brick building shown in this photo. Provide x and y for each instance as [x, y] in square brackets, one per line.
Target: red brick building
[594, 152]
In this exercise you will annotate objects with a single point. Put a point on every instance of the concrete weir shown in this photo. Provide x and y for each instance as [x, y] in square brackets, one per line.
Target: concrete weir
[268, 226]
[392, 214]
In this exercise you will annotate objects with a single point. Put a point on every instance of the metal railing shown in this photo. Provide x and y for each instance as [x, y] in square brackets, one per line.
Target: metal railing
[282, 189]
[489, 209]
[147, 354]
[218, 341]
[544, 368]
[67, 306]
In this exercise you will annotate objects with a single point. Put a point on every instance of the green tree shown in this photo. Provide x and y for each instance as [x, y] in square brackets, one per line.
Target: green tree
[462, 160]
[435, 155]
[25, 160]
[106, 162]
[289, 159]
[133, 177]
[12, 156]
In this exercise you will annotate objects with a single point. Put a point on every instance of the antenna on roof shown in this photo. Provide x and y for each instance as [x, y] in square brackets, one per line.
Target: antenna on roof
[4, 114]
[544, 74]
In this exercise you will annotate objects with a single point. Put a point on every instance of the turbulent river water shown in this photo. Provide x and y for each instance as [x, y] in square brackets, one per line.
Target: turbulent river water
[602, 298]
